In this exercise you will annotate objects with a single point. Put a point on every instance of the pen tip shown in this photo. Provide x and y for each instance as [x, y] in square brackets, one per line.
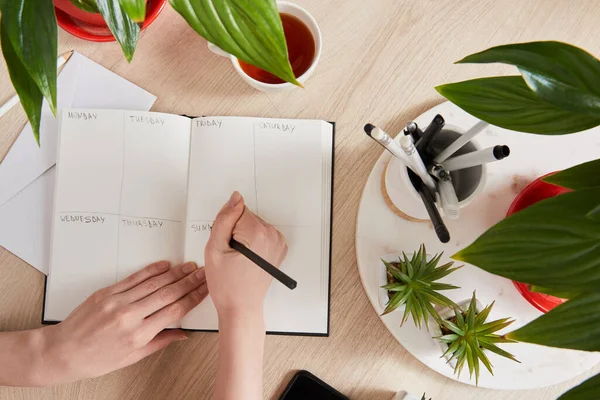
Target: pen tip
[442, 233]
[439, 120]
[369, 128]
[501, 152]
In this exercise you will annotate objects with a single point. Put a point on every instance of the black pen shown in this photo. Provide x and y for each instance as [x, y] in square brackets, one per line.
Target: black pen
[436, 219]
[264, 264]
[433, 129]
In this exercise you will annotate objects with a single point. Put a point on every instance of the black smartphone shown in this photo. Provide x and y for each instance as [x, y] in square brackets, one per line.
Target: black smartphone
[305, 385]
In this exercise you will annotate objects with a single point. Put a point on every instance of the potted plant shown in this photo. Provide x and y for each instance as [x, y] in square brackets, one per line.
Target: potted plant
[29, 35]
[465, 335]
[412, 283]
[554, 244]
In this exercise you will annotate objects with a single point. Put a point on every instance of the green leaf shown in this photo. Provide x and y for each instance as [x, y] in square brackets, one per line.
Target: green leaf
[249, 30]
[509, 103]
[559, 73]
[582, 176]
[136, 9]
[122, 27]
[588, 390]
[594, 214]
[29, 94]
[30, 27]
[86, 5]
[553, 292]
[550, 244]
[572, 325]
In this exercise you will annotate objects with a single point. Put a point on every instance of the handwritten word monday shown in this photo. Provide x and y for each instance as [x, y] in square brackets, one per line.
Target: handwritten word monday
[146, 119]
[277, 126]
[81, 115]
[143, 223]
[82, 219]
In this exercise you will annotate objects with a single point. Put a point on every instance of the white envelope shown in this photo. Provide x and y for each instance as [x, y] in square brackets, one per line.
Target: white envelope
[26, 207]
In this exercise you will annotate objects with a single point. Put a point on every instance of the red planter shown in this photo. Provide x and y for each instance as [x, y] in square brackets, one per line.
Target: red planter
[537, 190]
[91, 26]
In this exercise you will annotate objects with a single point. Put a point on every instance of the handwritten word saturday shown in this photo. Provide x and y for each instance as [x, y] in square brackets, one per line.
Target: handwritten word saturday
[201, 227]
[200, 123]
[82, 219]
[277, 126]
[143, 223]
[146, 119]
[81, 115]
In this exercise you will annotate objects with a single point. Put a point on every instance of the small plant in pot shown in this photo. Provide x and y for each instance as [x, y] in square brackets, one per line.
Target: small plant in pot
[465, 336]
[412, 283]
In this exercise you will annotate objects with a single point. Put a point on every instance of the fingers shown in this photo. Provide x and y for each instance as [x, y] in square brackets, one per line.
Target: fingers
[153, 284]
[225, 221]
[174, 312]
[160, 341]
[140, 276]
[170, 294]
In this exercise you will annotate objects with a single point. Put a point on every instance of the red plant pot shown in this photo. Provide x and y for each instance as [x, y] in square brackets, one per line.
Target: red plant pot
[91, 26]
[537, 190]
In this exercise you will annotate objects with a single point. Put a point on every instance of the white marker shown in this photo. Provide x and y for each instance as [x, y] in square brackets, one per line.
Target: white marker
[460, 142]
[476, 158]
[4, 108]
[386, 141]
[407, 144]
[447, 193]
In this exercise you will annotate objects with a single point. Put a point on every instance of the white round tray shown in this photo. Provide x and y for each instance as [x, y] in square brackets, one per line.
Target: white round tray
[380, 232]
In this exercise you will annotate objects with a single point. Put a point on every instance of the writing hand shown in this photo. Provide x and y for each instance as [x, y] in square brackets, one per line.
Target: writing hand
[236, 284]
[123, 323]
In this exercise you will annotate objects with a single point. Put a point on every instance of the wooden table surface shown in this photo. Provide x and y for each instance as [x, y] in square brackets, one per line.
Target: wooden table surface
[380, 62]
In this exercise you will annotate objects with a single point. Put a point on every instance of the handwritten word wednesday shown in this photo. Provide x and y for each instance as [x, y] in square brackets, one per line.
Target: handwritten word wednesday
[82, 219]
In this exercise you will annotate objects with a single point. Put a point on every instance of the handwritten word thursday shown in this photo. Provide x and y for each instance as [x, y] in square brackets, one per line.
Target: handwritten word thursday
[143, 223]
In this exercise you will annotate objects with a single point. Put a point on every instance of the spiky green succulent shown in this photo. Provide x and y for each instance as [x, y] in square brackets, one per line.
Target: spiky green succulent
[468, 336]
[423, 398]
[412, 282]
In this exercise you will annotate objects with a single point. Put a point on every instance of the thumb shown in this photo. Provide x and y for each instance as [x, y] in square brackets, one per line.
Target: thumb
[226, 220]
[160, 341]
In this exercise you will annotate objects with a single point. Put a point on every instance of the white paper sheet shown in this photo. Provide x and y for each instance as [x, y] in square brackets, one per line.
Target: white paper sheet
[26, 189]
[120, 201]
[282, 169]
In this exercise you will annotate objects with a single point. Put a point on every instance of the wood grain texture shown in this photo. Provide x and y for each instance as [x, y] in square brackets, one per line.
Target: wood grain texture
[381, 60]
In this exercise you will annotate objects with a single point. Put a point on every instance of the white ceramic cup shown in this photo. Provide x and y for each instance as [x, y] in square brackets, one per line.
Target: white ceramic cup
[310, 22]
[402, 193]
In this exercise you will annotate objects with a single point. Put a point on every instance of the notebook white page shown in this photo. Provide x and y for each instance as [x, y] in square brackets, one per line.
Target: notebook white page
[283, 170]
[124, 200]
[121, 192]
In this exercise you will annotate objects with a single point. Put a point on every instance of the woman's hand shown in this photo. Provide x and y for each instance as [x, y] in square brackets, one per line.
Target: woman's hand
[121, 324]
[236, 284]
[238, 289]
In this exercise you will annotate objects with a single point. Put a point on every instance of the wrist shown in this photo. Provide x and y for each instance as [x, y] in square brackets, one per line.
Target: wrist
[36, 372]
[250, 317]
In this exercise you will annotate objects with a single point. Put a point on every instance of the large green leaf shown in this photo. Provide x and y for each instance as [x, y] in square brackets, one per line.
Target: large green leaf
[582, 176]
[136, 9]
[122, 27]
[561, 74]
[550, 244]
[29, 93]
[30, 27]
[509, 103]
[86, 5]
[572, 325]
[250, 30]
[588, 390]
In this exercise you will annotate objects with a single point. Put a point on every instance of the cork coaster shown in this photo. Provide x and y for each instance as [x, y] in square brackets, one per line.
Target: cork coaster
[391, 205]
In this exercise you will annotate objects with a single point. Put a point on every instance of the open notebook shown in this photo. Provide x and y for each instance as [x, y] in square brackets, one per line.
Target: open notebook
[136, 187]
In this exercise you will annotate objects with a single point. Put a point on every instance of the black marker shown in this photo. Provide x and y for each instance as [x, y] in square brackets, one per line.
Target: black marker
[436, 219]
[264, 264]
